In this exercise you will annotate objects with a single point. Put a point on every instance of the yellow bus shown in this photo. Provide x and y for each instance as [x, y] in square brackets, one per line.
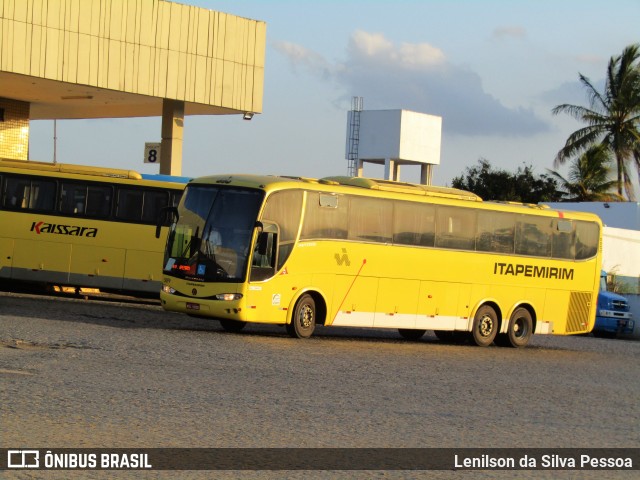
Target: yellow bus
[359, 252]
[79, 226]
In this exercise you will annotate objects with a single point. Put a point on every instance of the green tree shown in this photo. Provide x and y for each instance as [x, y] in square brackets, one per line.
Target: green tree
[501, 185]
[612, 118]
[588, 179]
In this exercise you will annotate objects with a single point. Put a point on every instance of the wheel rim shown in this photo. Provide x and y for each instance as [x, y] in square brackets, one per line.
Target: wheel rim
[306, 316]
[520, 328]
[485, 326]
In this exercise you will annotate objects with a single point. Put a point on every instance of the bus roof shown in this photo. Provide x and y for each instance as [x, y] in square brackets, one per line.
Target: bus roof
[402, 187]
[262, 181]
[345, 184]
[69, 168]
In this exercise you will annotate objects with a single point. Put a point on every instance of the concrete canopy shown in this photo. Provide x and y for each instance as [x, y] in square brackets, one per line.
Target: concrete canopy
[69, 57]
[64, 59]
[50, 99]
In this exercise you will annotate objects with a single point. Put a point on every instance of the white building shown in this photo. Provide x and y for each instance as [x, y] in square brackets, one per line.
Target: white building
[613, 214]
[393, 138]
[620, 245]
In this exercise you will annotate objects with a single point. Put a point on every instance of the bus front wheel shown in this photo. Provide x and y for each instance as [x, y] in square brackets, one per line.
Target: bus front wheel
[303, 320]
[233, 326]
[485, 326]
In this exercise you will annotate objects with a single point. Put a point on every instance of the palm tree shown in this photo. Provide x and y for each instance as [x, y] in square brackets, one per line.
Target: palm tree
[613, 117]
[589, 177]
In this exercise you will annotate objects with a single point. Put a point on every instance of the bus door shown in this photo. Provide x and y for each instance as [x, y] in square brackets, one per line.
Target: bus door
[264, 294]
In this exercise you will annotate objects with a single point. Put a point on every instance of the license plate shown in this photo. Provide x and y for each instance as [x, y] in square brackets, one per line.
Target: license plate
[193, 306]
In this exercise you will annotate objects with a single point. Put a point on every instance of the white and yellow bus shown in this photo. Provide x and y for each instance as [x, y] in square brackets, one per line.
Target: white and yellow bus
[369, 253]
[72, 225]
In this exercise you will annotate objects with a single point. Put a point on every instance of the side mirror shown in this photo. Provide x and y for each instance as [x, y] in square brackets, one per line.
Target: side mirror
[167, 216]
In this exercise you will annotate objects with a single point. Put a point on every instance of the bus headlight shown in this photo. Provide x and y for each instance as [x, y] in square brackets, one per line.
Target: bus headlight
[168, 289]
[228, 296]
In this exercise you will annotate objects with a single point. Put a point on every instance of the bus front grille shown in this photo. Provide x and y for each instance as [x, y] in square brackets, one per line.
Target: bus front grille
[620, 305]
[579, 310]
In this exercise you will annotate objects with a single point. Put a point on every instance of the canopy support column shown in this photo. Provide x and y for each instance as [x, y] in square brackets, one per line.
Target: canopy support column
[172, 127]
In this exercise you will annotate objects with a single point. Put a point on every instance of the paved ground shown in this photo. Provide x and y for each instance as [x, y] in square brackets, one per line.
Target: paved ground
[81, 373]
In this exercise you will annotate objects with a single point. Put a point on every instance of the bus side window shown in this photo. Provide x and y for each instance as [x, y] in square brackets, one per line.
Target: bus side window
[17, 193]
[533, 236]
[284, 209]
[587, 240]
[175, 199]
[414, 224]
[495, 232]
[455, 228]
[153, 202]
[99, 201]
[324, 217]
[43, 195]
[129, 206]
[29, 193]
[73, 198]
[263, 264]
[563, 241]
[370, 220]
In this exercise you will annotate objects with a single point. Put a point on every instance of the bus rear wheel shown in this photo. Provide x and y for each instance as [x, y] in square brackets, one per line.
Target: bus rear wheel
[519, 331]
[411, 334]
[303, 320]
[233, 326]
[485, 326]
[452, 336]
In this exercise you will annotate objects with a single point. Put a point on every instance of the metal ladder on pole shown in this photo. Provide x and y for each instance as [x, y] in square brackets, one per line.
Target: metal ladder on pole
[354, 136]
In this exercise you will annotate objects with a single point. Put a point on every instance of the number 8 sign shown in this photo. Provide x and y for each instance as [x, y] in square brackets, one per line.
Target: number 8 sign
[151, 152]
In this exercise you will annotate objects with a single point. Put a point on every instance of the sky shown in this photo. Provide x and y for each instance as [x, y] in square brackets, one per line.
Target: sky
[493, 70]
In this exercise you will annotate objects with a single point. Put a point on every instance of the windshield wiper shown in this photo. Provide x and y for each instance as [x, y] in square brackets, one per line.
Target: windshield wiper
[188, 247]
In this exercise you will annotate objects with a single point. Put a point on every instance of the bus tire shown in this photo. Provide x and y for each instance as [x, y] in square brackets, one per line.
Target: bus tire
[411, 333]
[485, 326]
[520, 328]
[444, 335]
[303, 320]
[233, 326]
[452, 336]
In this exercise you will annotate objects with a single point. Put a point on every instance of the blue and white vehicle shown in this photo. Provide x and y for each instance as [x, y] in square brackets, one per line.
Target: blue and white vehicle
[613, 315]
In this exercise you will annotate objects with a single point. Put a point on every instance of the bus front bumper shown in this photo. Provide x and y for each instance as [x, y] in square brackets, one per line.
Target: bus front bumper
[614, 325]
[229, 306]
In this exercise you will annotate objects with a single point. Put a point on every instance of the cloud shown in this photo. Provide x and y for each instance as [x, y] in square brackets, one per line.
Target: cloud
[509, 32]
[375, 48]
[417, 76]
[300, 56]
[573, 93]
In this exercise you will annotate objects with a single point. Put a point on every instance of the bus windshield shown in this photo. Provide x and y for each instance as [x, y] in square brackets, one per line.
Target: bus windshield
[211, 240]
